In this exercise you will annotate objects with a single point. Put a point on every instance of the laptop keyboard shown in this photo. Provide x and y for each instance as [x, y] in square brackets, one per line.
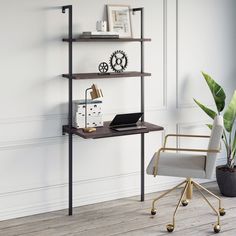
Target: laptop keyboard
[130, 128]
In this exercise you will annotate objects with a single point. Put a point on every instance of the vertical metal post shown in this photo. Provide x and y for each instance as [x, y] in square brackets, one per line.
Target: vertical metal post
[70, 171]
[142, 110]
[142, 98]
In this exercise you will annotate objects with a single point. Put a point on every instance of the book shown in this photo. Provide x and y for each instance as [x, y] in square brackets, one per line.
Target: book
[99, 33]
[115, 36]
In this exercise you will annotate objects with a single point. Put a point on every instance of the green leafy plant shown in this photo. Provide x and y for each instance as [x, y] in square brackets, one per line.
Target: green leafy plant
[228, 137]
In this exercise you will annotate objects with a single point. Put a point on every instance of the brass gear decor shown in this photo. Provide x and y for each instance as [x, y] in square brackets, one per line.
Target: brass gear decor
[118, 61]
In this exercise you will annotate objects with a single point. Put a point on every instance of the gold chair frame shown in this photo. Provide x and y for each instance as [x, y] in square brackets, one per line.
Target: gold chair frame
[187, 191]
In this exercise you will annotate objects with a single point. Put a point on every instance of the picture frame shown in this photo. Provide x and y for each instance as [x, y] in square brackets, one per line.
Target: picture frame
[119, 20]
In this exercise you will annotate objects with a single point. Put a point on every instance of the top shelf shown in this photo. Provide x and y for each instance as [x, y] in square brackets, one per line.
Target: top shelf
[107, 40]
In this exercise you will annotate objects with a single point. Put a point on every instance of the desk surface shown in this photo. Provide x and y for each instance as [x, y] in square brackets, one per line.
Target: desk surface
[105, 131]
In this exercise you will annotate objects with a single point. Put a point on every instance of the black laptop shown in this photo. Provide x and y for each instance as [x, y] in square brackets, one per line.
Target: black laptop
[125, 122]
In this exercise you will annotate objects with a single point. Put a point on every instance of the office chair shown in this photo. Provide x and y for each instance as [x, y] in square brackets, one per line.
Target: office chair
[189, 163]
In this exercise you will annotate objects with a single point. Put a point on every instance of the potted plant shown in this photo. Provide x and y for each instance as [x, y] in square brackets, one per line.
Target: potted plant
[225, 174]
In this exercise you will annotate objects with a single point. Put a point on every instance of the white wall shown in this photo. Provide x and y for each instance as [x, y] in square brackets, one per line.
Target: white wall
[187, 36]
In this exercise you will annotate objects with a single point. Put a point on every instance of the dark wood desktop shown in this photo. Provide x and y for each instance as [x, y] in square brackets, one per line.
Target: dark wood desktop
[105, 131]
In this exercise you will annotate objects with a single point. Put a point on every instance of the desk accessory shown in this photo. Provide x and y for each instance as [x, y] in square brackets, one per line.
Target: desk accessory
[103, 68]
[94, 113]
[119, 20]
[127, 122]
[118, 61]
[126, 118]
[95, 93]
[101, 26]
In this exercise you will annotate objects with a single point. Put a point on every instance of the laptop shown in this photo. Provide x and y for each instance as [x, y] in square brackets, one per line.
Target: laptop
[126, 122]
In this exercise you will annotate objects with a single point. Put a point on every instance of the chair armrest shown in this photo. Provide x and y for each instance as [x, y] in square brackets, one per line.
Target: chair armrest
[184, 135]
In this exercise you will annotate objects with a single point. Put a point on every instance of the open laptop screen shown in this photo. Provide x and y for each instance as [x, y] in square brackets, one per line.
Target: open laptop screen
[126, 119]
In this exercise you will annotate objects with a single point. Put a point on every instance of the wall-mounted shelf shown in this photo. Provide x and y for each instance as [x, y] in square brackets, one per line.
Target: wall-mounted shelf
[106, 76]
[105, 131]
[107, 40]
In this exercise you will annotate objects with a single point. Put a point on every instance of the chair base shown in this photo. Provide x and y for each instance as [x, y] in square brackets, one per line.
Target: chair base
[186, 195]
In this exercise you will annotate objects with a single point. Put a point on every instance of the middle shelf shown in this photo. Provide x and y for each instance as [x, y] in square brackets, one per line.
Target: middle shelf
[79, 76]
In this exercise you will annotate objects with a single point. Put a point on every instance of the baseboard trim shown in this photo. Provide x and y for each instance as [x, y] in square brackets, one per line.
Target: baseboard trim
[54, 205]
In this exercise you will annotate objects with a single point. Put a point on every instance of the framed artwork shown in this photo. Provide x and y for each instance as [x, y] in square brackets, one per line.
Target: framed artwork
[119, 20]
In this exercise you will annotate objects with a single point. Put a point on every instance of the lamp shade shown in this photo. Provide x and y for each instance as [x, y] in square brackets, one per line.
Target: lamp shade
[96, 92]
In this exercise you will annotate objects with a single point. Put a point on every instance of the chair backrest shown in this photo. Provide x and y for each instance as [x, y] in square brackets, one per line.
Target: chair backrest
[214, 143]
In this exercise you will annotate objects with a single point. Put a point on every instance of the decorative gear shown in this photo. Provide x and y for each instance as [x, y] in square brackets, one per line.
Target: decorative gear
[118, 61]
[103, 67]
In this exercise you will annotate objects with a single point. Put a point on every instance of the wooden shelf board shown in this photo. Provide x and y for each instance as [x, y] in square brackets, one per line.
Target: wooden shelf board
[106, 76]
[107, 40]
[106, 132]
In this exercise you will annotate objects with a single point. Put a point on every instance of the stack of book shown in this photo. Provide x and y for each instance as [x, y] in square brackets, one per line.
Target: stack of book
[99, 35]
[94, 113]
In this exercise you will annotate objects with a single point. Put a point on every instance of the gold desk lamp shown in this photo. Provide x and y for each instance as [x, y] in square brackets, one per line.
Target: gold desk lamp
[95, 93]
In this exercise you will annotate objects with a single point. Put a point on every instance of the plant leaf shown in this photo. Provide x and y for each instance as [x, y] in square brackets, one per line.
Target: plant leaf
[208, 111]
[209, 126]
[234, 143]
[217, 92]
[230, 114]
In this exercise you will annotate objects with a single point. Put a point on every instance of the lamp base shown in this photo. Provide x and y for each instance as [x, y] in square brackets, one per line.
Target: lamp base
[89, 130]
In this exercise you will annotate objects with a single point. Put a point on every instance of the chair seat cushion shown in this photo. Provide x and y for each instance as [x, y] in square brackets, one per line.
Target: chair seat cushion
[179, 165]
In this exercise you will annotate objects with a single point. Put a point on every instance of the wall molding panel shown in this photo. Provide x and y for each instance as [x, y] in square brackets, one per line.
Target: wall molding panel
[214, 65]
[29, 119]
[165, 12]
[56, 203]
[13, 145]
[177, 53]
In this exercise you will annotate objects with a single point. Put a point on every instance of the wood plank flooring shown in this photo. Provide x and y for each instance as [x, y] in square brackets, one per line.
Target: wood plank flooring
[129, 217]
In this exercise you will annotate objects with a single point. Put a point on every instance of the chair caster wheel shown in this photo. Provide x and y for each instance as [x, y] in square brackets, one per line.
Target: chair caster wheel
[170, 228]
[184, 203]
[217, 228]
[153, 211]
[222, 211]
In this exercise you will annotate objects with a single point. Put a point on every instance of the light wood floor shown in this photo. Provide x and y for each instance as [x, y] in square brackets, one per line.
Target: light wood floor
[128, 217]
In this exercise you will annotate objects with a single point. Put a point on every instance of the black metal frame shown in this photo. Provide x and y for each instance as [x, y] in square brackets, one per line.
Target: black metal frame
[141, 10]
[70, 95]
